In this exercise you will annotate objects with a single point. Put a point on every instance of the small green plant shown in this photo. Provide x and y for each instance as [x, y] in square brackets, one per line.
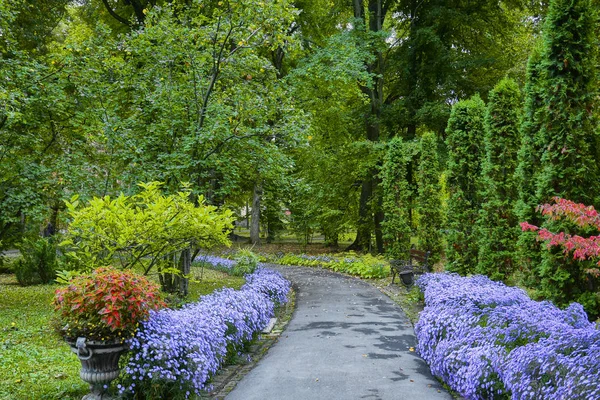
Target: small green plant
[245, 262]
[64, 276]
[415, 295]
[7, 264]
[38, 262]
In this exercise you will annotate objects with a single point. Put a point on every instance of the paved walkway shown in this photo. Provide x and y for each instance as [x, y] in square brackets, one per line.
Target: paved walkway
[346, 341]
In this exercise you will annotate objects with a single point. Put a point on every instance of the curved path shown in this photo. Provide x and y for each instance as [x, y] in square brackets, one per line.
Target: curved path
[346, 340]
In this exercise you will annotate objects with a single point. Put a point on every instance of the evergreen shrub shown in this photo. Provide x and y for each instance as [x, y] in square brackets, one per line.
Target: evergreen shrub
[38, 262]
[497, 224]
[429, 203]
[465, 132]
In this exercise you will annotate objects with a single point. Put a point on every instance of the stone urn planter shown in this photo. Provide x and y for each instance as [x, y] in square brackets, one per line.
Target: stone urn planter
[107, 303]
[99, 364]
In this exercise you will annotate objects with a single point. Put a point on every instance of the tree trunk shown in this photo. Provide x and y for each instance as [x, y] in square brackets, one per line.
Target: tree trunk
[247, 215]
[379, 215]
[362, 241]
[367, 218]
[166, 279]
[255, 217]
[185, 264]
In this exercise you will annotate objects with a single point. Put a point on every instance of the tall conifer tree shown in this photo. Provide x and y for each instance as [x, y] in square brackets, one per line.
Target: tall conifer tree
[497, 223]
[529, 166]
[465, 133]
[396, 198]
[429, 203]
[570, 160]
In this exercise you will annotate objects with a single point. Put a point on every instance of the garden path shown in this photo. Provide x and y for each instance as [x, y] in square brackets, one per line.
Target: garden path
[346, 340]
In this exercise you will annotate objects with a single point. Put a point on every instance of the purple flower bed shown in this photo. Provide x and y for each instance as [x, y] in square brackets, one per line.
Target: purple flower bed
[490, 341]
[270, 283]
[177, 351]
[215, 262]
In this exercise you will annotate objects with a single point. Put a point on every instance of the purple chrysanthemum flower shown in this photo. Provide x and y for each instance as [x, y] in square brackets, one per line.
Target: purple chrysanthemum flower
[181, 349]
[488, 340]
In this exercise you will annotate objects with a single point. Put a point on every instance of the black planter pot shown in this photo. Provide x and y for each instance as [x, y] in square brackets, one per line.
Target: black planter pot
[99, 364]
[407, 276]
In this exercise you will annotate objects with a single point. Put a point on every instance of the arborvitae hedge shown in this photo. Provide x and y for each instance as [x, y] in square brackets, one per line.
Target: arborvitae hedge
[569, 90]
[429, 204]
[497, 223]
[529, 166]
[465, 133]
[396, 225]
[570, 161]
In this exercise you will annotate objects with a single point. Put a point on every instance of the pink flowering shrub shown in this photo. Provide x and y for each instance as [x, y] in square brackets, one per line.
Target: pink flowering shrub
[583, 248]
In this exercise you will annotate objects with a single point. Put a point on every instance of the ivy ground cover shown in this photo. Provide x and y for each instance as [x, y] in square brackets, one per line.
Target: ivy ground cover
[490, 341]
[177, 351]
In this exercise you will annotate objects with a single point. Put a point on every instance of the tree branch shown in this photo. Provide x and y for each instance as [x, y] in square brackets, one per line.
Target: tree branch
[114, 14]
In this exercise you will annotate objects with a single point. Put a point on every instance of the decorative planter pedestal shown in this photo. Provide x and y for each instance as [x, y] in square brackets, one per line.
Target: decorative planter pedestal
[99, 364]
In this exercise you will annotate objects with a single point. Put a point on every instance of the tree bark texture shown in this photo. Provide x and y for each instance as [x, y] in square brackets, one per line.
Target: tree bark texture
[255, 216]
[185, 267]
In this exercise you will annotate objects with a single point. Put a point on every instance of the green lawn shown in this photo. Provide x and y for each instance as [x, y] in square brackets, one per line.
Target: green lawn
[35, 362]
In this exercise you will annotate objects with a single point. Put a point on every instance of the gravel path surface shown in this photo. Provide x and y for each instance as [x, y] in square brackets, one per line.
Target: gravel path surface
[346, 340]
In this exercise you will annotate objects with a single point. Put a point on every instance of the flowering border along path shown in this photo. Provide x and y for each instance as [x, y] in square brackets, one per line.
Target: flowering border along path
[177, 351]
[490, 341]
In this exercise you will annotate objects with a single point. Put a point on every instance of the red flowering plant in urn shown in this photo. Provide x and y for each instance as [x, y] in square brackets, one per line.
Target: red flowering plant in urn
[97, 313]
[109, 304]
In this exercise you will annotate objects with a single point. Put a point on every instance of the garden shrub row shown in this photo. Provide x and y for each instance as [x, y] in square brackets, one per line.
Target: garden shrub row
[175, 352]
[365, 266]
[487, 340]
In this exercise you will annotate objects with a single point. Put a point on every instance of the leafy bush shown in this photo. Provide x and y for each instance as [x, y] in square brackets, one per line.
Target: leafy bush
[488, 341]
[3, 267]
[144, 229]
[580, 281]
[176, 351]
[7, 264]
[245, 262]
[38, 262]
[107, 304]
